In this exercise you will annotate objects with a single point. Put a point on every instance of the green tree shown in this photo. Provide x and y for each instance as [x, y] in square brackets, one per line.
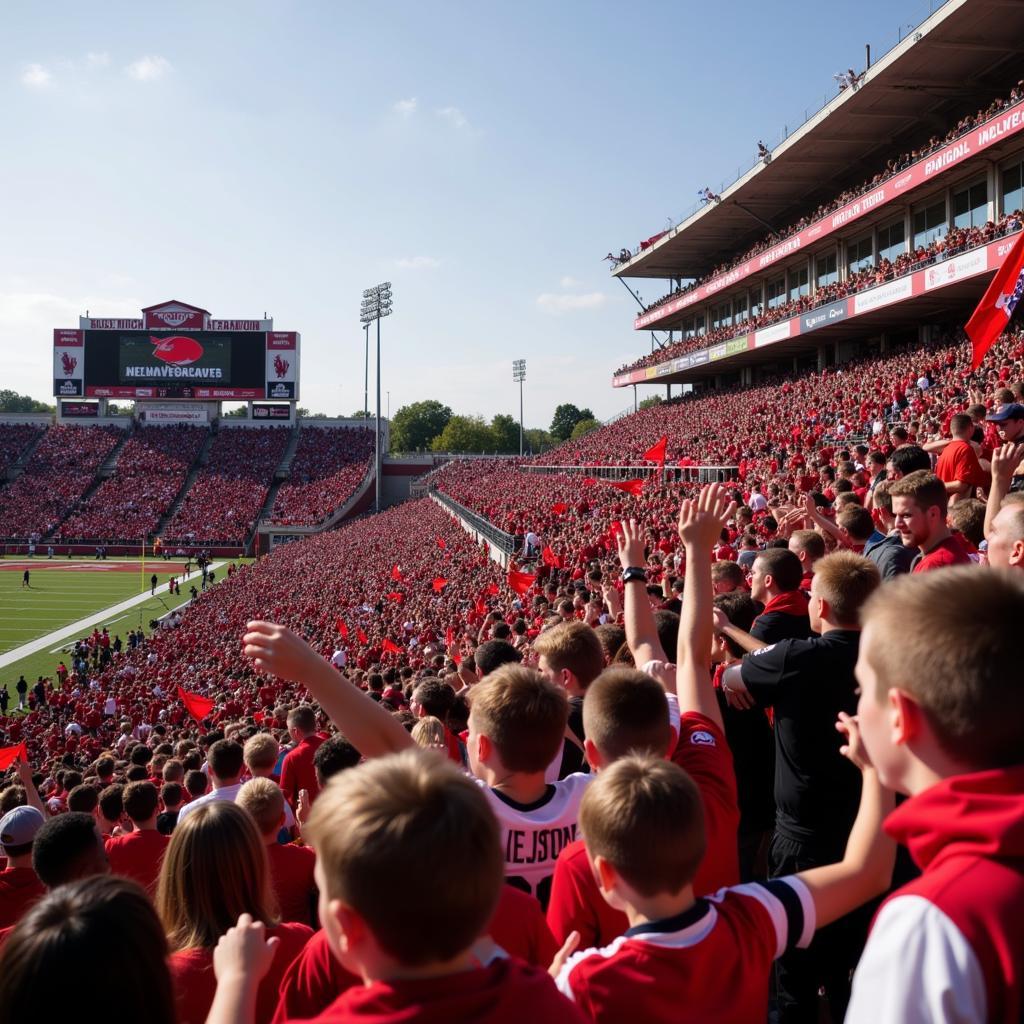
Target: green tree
[362, 414]
[416, 426]
[583, 427]
[648, 403]
[236, 414]
[538, 440]
[505, 434]
[566, 417]
[464, 434]
[11, 401]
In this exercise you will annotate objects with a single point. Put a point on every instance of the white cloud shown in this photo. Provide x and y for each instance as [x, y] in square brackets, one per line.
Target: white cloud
[148, 69]
[453, 116]
[571, 303]
[570, 282]
[406, 107]
[97, 60]
[35, 76]
[417, 263]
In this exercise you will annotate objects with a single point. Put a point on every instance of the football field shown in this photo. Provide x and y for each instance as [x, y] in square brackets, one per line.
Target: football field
[62, 592]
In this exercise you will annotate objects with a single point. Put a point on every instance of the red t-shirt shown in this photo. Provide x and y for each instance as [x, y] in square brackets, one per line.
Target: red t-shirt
[19, 889]
[291, 875]
[194, 982]
[703, 753]
[958, 462]
[138, 855]
[506, 991]
[297, 771]
[315, 979]
[951, 551]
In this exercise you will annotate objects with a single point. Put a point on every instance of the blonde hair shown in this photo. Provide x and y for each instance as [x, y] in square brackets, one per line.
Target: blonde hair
[214, 868]
[626, 712]
[261, 751]
[644, 816]
[429, 733]
[372, 823]
[264, 801]
[846, 581]
[522, 714]
[573, 646]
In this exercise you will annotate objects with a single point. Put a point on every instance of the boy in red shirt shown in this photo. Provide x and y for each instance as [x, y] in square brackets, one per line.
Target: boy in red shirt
[940, 713]
[919, 503]
[137, 854]
[411, 946]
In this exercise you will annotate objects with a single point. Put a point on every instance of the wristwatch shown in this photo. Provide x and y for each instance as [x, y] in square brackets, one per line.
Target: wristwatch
[634, 572]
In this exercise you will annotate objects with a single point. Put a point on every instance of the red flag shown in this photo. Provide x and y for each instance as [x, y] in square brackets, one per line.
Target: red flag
[481, 606]
[449, 636]
[8, 755]
[559, 507]
[590, 481]
[633, 487]
[550, 558]
[390, 646]
[493, 588]
[656, 453]
[198, 707]
[360, 636]
[997, 304]
[342, 628]
[396, 573]
[521, 582]
[395, 595]
[441, 544]
[439, 584]
[457, 658]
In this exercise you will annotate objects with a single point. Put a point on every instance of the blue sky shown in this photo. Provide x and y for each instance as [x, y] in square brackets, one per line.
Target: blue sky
[256, 156]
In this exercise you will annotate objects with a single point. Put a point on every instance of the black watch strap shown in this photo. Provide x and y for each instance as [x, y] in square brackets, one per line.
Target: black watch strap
[634, 572]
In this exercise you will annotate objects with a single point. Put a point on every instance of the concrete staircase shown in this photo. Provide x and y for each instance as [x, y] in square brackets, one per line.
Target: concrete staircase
[196, 468]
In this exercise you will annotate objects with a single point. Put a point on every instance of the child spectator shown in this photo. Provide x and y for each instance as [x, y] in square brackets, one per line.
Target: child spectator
[137, 854]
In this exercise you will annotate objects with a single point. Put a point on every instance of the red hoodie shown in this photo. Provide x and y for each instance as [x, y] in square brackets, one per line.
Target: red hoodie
[949, 946]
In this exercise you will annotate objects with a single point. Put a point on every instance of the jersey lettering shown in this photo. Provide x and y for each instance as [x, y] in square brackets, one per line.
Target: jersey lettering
[537, 845]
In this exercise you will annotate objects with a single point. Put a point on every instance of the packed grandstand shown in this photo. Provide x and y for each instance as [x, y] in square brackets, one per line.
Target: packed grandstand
[643, 645]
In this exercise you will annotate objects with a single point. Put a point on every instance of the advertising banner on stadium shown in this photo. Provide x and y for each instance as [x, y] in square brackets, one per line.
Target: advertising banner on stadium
[167, 417]
[823, 316]
[264, 411]
[997, 129]
[80, 410]
[68, 363]
[282, 364]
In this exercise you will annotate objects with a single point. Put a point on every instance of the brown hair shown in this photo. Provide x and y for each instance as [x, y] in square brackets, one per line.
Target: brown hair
[264, 800]
[626, 712]
[141, 800]
[856, 521]
[573, 646]
[925, 489]
[522, 714]
[214, 868]
[810, 541]
[968, 516]
[644, 815]
[783, 567]
[846, 581]
[726, 571]
[261, 751]
[370, 823]
[947, 638]
[303, 718]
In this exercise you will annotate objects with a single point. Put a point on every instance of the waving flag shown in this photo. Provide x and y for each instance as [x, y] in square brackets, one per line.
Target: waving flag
[8, 755]
[492, 589]
[559, 507]
[439, 584]
[390, 646]
[342, 628]
[449, 636]
[656, 453]
[395, 595]
[441, 544]
[550, 558]
[198, 707]
[633, 487]
[360, 636]
[997, 304]
[521, 582]
[396, 574]
[590, 481]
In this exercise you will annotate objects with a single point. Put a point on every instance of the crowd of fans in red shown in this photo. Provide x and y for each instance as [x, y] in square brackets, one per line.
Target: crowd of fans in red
[151, 469]
[57, 474]
[892, 168]
[954, 242]
[417, 614]
[14, 440]
[326, 469]
[222, 505]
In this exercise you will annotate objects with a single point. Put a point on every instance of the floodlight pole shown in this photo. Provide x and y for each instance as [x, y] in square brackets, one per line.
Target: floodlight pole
[376, 304]
[366, 374]
[376, 507]
[519, 375]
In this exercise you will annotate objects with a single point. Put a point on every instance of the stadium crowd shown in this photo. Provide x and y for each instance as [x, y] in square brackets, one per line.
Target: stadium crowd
[151, 469]
[57, 474]
[893, 167]
[14, 440]
[326, 469]
[222, 505]
[952, 243]
[628, 726]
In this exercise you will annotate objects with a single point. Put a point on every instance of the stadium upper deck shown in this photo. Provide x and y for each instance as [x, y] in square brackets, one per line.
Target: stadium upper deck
[932, 138]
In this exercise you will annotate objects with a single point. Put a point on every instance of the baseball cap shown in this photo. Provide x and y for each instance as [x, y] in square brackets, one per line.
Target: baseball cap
[1010, 411]
[19, 826]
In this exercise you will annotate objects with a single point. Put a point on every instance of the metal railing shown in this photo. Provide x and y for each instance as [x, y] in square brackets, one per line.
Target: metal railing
[504, 542]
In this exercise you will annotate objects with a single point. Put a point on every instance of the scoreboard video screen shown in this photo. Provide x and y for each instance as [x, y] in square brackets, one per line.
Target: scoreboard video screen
[189, 364]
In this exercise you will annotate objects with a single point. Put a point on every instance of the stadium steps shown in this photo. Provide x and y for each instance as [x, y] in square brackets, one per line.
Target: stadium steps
[284, 467]
[264, 512]
[196, 468]
[17, 467]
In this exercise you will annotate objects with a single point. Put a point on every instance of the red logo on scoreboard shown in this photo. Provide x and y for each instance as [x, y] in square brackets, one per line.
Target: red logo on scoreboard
[177, 350]
[68, 363]
[281, 367]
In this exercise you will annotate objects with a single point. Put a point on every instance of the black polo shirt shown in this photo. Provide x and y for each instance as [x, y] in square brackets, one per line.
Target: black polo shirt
[808, 682]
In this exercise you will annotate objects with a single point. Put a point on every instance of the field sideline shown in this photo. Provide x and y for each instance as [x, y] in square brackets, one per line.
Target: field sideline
[62, 592]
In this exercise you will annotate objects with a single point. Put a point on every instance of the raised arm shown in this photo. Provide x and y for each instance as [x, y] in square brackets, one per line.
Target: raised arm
[700, 525]
[32, 797]
[866, 868]
[277, 651]
[823, 522]
[1005, 460]
[641, 631]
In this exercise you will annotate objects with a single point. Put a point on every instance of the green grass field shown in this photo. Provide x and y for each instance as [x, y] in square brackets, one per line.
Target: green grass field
[61, 594]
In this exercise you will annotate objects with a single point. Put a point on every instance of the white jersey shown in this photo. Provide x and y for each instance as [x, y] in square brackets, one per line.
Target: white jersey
[533, 835]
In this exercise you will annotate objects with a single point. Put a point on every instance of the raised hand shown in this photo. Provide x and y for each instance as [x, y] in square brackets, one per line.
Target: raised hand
[702, 519]
[567, 950]
[244, 951]
[630, 542]
[1005, 460]
[853, 749]
[277, 651]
